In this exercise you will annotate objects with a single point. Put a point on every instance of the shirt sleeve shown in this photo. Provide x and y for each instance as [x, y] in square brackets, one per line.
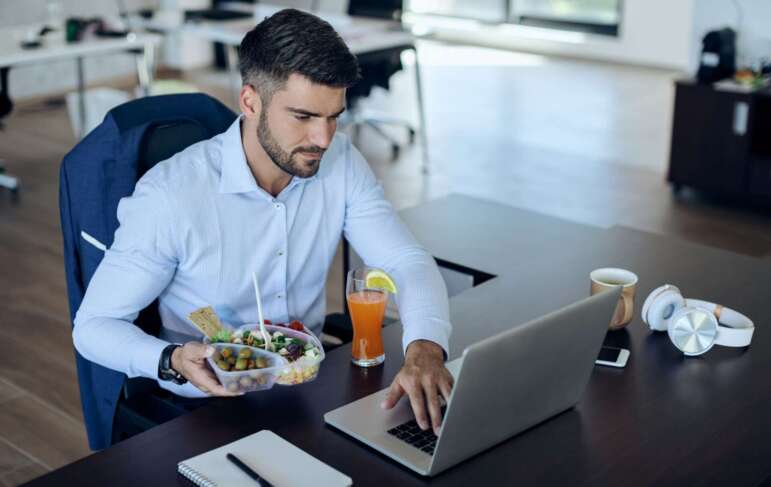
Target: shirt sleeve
[378, 235]
[135, 270]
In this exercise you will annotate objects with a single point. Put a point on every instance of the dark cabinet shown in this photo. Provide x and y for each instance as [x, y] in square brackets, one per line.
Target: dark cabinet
[721, 141]
[760, 178]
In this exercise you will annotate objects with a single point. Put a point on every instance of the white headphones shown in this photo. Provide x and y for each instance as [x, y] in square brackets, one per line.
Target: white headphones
[694, 326]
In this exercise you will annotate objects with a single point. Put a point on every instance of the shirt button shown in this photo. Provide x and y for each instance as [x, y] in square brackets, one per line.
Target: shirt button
[280, 253]
[278, 206]
[278, 296]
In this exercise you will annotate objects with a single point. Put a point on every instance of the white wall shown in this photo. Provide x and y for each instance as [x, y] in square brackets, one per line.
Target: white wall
[752, 21]
[653, 32]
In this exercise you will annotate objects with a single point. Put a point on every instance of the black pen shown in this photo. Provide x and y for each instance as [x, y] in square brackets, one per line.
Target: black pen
[248, 471]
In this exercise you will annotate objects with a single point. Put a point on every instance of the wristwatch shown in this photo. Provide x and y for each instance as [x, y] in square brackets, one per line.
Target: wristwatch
[165, 370]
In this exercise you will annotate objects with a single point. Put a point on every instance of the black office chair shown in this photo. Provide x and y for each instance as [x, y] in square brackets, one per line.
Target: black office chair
[376, 69]
[6, 107]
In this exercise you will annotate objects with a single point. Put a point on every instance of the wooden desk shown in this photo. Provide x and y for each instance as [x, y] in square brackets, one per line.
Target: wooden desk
[663, 420]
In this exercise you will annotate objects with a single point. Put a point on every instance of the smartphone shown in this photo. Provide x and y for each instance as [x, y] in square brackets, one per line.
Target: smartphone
[612, 357]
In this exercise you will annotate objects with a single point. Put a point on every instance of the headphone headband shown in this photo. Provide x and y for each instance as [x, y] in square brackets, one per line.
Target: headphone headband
[734, 329]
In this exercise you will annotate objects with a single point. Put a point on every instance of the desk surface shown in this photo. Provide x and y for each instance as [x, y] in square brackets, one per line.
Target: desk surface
[11, 52]
[663, 420]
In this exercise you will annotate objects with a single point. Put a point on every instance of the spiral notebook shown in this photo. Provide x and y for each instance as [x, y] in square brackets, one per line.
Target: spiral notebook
[275, 459]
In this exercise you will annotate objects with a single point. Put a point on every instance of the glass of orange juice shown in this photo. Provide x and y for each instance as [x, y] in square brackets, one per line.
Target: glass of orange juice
[366, 304]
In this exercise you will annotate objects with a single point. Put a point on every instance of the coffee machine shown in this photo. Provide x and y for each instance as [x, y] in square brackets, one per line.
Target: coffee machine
[718, 56]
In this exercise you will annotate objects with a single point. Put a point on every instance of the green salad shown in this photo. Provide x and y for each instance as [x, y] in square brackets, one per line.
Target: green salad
[288, 347]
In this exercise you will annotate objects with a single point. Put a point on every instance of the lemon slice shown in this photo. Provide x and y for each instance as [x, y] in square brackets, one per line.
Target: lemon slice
[380, 280]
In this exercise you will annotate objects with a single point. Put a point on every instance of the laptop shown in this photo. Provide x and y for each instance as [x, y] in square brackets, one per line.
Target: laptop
[548, 361]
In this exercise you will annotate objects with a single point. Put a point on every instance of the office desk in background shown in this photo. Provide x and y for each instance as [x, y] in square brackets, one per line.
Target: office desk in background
[12, 54]
[663, 420]
[363, 35]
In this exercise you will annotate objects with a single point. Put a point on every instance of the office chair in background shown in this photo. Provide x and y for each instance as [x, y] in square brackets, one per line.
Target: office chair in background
[376, 69]
[6, 107]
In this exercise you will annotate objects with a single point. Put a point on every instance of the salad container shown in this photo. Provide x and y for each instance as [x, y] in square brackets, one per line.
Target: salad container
[296, 359]
[305, 368]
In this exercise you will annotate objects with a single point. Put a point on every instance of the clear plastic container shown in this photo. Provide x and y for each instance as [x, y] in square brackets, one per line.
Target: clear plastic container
[247, 380]
[304, 369]
[280, 371]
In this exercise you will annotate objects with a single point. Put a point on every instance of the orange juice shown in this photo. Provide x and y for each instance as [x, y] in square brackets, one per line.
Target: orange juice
[367, 309]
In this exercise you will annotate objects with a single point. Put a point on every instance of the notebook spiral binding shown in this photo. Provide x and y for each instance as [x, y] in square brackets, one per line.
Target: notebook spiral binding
[194, 476]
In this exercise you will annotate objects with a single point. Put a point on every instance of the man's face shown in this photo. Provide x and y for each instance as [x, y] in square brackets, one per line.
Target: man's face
[298, 124]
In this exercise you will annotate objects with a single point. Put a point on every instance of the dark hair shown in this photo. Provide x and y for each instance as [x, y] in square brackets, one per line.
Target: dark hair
[291, 41]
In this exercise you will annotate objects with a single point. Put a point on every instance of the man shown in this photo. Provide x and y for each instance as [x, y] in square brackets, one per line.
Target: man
[273, 195]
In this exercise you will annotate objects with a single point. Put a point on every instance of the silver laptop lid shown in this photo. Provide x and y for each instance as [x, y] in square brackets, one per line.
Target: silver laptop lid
[522, 376]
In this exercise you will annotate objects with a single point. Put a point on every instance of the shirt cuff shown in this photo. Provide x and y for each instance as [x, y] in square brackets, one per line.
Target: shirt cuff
[433, 330]
[145, 360]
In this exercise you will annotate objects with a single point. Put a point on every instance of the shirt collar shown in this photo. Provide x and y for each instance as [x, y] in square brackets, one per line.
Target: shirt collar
[236, 176]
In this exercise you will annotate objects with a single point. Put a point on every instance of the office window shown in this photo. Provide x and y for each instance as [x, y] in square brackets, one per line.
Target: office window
[595, 16]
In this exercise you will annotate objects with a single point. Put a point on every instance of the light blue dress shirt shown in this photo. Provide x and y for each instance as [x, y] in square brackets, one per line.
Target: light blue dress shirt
[198, 225]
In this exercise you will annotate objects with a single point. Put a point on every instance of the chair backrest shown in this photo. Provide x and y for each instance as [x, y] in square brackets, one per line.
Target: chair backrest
[166, 139]
[99, 171]
[381, 9]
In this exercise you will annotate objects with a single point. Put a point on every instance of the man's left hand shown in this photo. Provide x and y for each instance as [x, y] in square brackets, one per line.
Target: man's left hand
[423, 378]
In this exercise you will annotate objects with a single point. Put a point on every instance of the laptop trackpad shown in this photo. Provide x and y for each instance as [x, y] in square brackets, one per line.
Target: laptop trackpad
[366, 417]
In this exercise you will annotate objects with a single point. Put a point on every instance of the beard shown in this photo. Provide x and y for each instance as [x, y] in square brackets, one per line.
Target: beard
[289, 162]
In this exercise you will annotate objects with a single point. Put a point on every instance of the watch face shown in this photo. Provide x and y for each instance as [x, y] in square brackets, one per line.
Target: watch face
[165, 372]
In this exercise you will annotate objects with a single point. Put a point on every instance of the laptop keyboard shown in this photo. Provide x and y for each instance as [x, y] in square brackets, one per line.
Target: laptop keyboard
[411, 433]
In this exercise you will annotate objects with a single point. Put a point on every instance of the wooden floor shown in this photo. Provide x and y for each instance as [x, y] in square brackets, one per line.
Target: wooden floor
[584, 141]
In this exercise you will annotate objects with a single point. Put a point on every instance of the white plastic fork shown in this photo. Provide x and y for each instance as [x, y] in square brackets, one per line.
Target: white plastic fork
[263, 331]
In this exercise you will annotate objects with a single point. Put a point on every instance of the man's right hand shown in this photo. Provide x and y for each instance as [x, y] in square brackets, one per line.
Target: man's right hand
[190, 361]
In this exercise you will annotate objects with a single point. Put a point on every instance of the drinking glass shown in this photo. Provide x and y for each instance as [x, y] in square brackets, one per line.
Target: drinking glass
[367, 308]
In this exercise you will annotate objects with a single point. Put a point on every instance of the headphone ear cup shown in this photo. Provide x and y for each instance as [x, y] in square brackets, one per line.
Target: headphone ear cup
[652, 297]
[661, 308]
[647, 303]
